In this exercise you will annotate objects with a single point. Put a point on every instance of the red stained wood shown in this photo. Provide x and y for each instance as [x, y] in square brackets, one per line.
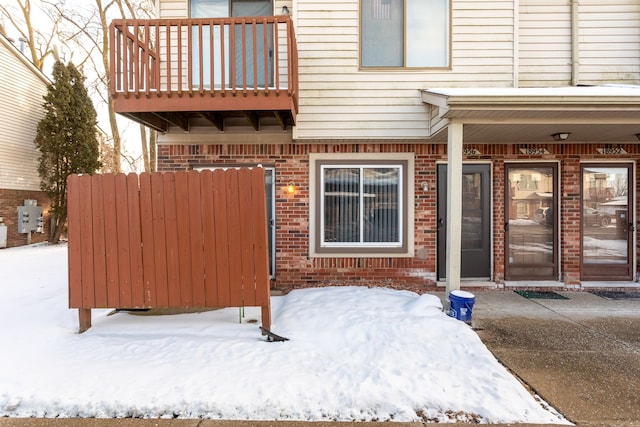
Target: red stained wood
[186, 239]
[147, 239]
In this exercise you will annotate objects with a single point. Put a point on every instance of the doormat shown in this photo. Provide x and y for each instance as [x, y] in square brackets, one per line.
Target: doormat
[617, 295]
[541, 294]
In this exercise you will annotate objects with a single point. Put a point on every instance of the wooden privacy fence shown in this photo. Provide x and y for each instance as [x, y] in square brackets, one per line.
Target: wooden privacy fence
[168, 240]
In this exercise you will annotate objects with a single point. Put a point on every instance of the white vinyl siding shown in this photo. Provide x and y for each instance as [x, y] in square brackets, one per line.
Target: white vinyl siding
[338, 100]
[22, 89]
[609, 41]
[544, 43]
[495, 43]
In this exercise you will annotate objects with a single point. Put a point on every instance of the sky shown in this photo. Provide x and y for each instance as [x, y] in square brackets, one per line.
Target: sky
[354, 354]
[128, 129]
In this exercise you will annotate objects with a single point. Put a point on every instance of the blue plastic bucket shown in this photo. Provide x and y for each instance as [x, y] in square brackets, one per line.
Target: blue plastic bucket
[461, 305]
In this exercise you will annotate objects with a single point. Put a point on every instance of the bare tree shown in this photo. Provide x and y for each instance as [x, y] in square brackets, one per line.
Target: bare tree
[39, 41]
[88, 29]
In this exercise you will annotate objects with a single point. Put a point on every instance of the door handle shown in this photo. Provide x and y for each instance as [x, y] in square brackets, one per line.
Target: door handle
[632, 227]
[506, 226]
[440, 223]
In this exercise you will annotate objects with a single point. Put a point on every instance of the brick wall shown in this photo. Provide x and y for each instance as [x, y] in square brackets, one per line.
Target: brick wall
[9, 202]
[294, 268]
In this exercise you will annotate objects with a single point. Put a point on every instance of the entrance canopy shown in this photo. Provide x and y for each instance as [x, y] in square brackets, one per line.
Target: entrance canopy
[587, 114]
[607, 114]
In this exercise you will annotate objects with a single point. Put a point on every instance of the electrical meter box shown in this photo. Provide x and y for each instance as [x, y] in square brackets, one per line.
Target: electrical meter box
[30, 218]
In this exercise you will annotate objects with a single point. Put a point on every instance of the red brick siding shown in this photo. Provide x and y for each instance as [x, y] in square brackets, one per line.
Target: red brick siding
[295, 269]
[9, 202]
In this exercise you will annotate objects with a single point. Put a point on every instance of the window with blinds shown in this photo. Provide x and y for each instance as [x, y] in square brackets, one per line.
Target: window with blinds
[361, 206]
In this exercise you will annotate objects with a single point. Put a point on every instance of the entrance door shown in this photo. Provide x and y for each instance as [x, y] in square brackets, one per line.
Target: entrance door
[270, 188]
[243, 51]
[606, 223]
[476, 222]
[530, 222]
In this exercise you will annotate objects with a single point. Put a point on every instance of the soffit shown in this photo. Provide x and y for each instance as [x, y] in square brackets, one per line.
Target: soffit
[609, 114]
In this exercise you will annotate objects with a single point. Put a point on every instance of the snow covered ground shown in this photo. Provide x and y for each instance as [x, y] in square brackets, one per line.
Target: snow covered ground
[354, 354]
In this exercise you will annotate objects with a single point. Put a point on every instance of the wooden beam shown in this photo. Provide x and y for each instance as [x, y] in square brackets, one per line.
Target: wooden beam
[253, 119]
[150, 120]
[281, 119]
[176, 119]
[216, 119]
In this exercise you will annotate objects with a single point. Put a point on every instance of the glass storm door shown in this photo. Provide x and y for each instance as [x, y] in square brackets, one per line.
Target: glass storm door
[225, 9]
[271, 217]
[606, 223]
[476, 222]
[531, 222]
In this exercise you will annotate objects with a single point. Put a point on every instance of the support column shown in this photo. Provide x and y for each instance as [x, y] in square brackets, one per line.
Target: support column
[454, 207]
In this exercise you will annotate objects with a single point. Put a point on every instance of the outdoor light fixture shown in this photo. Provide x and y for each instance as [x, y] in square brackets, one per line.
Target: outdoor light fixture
[562, 136]
[424, 186]
[291, 188]
[285, 10]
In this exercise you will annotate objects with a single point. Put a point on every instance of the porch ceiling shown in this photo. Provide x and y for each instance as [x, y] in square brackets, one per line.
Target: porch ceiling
[606, 114]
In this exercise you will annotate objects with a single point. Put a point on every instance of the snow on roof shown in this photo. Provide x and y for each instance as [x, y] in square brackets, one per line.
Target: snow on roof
[587, 91]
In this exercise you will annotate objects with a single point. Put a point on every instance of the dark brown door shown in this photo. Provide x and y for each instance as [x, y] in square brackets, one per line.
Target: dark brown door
[531, 251]
[476, 222]
[607, 223]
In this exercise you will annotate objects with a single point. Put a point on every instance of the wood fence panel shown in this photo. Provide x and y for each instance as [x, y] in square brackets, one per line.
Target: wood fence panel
[184, 237]
[147, 241]
[124, 250]
[235, 250]
[261, 241]
[86, 242]
[171, 230]
[160, 241]
[75, 237]
[197, 241]
[173, 240]
[111, 240]
[99, 250]
[208, 229]
[246, 236]
[135, 242]
[220, 233]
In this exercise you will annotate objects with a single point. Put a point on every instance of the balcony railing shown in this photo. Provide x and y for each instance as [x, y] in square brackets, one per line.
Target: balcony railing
[209, 67]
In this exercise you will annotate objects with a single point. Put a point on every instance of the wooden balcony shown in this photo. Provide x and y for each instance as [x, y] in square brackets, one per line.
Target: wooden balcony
[215, 71]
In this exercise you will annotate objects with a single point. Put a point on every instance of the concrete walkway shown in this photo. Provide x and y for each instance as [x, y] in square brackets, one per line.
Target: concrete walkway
[581, 355]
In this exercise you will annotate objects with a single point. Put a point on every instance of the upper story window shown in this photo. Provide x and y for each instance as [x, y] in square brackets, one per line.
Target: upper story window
[404, 33]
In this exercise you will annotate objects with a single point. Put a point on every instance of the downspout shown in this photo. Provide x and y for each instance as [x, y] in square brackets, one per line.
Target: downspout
[575, 44]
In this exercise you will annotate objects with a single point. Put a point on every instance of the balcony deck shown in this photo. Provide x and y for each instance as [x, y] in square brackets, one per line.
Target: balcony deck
[175, 72]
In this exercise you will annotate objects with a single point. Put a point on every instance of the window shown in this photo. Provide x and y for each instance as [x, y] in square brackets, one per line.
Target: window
[404, 33]
[360, 205]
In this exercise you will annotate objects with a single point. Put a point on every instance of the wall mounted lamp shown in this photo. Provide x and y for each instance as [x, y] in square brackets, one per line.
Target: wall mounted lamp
[561, 136]
[424, 186]
[285, 10]
[291, 188]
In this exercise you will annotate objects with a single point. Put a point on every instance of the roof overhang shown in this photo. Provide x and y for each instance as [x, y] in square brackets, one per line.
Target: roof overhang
[609, 114]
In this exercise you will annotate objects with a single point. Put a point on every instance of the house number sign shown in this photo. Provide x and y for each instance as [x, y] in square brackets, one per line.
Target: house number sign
[612, 150]
[534, 151]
